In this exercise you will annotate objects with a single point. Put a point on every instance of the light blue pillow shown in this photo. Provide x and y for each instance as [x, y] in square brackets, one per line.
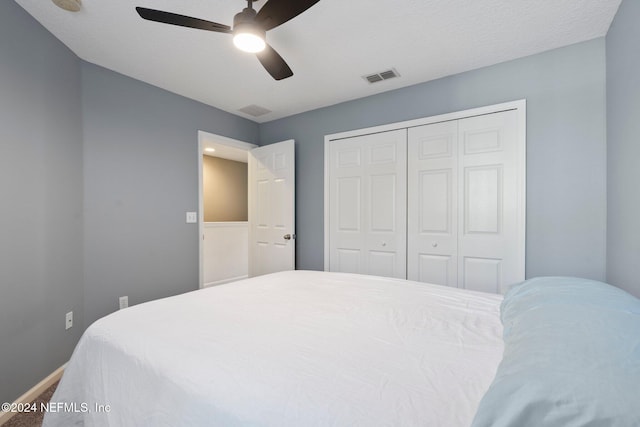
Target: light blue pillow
[571, 358]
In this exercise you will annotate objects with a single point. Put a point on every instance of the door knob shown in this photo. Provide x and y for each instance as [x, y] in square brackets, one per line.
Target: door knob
[434, 244]
[287, 237]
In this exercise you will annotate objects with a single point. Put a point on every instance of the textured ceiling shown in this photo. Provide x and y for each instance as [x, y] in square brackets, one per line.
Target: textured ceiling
[329, 47]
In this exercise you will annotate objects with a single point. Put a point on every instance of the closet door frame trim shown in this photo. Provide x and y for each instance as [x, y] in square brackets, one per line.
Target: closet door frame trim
[520, 106]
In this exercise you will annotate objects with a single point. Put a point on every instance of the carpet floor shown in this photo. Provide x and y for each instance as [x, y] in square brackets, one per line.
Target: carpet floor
[32, 419]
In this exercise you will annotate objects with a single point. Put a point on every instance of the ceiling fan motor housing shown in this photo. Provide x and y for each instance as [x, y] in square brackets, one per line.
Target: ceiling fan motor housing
[244, 22]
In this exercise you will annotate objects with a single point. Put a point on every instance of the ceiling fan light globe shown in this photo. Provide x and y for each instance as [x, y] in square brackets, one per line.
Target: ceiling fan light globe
[69, 5]
[249, 42]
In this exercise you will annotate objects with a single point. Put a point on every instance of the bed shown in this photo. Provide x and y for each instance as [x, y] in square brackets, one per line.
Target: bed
[296, 348]
[306, 348]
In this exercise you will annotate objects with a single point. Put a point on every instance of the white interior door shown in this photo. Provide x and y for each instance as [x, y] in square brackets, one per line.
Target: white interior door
[368, 196]
[432, 205]
[272, 208]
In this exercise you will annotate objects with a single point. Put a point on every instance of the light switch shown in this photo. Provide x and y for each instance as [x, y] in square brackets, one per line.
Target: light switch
[192, 217]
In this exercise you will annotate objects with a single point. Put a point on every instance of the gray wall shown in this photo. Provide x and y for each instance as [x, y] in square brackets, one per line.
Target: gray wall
[97, 171]
[140, 177]
[623, 139]
[566, 150]
[40, 202]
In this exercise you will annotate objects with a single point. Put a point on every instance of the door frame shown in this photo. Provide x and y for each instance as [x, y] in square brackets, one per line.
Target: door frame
[204, 137]
[520, 106]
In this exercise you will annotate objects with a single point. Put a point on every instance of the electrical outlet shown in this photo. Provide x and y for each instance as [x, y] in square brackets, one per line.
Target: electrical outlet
[68, 320]
[124, 302]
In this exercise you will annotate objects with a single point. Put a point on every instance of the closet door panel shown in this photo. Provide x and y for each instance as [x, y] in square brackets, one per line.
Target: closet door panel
[482, 274]
[483, 200]
[488, 240]
[348, 260]
[436, 268]
[368, 204]
[348, 203]
[385, 173]
[383, 206]
[346, 207]
[432, 203]
[435, 192]
[383, 263]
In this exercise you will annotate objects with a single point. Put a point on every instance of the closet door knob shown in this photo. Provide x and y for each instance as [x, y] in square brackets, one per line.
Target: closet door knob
[287, 237]
[434, 244]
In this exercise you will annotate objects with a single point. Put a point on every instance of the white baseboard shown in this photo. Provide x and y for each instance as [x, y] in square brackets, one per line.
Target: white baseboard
[34, 392]
[222, 282]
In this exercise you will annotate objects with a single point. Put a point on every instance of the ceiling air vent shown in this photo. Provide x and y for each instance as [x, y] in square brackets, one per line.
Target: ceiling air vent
[254, 110]
[383, 75]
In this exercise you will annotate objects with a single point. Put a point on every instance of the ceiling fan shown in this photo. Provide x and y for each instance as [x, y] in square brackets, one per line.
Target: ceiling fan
[249, 28]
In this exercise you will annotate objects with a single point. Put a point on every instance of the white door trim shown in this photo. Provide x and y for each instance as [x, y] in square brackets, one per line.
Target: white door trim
[519, 105]
[223, 140]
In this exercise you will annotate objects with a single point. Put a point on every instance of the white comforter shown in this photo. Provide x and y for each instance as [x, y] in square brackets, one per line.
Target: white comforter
[296, 348]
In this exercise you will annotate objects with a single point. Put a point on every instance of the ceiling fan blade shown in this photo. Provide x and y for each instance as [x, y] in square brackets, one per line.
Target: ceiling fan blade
[274, 64]
[181, 20]
[277, 12]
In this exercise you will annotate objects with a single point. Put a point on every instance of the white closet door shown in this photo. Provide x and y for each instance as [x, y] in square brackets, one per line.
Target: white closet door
[489, 250]
[368, 204]
[432, 206]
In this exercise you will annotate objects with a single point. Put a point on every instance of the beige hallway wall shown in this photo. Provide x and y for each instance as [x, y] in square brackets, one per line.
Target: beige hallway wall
[224, 189]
